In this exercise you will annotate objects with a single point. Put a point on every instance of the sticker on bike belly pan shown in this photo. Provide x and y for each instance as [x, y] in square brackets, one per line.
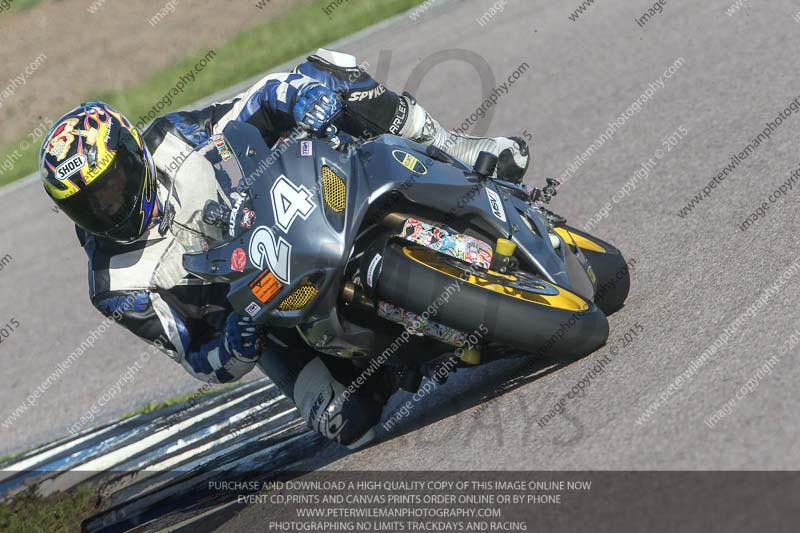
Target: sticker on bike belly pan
[410, 162]
[463, 247]
[497, 205]
[420, 325]
[265, 287]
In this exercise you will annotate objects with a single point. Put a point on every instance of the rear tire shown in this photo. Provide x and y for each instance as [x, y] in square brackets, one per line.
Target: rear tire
[528, 314]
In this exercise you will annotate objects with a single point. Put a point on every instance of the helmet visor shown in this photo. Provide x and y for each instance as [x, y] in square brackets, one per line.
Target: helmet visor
[112, 206]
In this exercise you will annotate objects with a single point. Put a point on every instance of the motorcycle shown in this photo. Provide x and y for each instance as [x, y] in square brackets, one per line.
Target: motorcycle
[390, 253]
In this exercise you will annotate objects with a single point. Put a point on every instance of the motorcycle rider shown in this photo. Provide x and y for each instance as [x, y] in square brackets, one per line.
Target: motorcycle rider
[134, 198]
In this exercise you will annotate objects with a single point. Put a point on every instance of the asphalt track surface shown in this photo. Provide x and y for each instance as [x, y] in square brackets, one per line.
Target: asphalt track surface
[693, 276]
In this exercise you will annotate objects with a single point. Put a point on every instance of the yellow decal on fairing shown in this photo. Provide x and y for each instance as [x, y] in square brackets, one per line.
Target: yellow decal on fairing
[410, 162]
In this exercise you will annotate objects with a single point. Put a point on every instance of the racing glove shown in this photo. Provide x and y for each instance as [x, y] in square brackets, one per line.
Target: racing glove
[316, 106]
[241, 340]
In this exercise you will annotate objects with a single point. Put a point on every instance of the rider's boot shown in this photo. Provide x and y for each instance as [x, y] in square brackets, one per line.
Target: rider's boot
[330, 410]
[372, 109]
[513, 153]
[318, 385]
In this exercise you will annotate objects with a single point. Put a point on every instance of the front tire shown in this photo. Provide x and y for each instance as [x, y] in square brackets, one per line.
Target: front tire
[520, 311]
[609, 265]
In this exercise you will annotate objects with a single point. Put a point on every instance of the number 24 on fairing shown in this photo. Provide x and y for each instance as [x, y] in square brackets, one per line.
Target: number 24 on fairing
[288, 202]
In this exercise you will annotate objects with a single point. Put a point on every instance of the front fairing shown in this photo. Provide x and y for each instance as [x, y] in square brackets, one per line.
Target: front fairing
[294, 238]
[299, 236]
[394, 164]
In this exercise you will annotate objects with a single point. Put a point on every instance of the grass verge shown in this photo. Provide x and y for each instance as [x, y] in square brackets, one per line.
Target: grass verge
[7, 457]
[27, 512]
[24, 4]
[183, 398]
[244, 56]
[65, 512]
[10, 456]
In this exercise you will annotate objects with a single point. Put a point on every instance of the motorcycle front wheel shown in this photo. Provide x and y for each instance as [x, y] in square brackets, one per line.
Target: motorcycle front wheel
[520, 311]
[610, 267]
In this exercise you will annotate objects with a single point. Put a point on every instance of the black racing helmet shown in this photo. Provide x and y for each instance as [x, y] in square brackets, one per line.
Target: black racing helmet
[96, 168]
